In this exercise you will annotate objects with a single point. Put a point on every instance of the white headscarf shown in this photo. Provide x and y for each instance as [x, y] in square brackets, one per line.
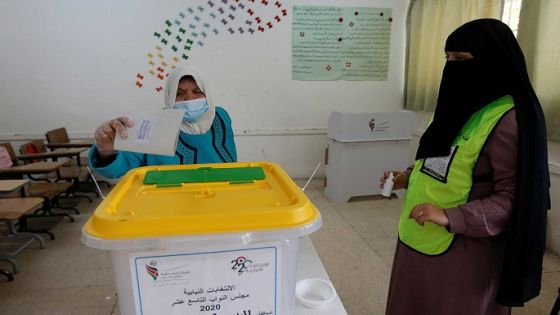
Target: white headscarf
[205, 122]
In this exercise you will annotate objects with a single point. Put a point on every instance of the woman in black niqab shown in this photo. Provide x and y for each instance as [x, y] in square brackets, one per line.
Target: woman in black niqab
[498, 68]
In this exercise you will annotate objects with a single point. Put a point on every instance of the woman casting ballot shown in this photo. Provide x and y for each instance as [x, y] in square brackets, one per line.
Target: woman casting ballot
[206, 134]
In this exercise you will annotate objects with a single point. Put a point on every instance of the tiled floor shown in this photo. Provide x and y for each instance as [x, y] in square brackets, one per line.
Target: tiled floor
[356, 246]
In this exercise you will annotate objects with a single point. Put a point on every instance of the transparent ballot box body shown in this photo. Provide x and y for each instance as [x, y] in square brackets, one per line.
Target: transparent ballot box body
[204, 239]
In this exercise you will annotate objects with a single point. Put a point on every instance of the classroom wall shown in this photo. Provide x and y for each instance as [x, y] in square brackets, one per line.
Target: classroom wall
[75, 64]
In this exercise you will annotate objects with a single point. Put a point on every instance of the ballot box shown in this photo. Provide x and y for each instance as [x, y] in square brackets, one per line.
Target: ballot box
[204, 239]
[361, 146]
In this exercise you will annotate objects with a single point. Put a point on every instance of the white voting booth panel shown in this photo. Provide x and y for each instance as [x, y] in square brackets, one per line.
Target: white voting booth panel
[361, 147]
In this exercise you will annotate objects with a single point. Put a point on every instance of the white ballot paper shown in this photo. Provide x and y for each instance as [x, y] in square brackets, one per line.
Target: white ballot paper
[154, 132]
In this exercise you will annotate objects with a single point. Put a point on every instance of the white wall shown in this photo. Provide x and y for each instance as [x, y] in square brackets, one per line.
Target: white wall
[73, 64]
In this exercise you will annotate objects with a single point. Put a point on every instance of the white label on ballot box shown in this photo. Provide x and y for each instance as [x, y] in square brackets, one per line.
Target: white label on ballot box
[224, 282]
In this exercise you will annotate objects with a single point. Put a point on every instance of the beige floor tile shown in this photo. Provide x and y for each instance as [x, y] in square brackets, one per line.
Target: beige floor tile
[76, 276]
[540, 305]
[551, 278]
[84, 296]
[18, 302]
[551, 263]
[73, 311]
[32, 280]
[50, 258]
[68, 237]
[91, 258]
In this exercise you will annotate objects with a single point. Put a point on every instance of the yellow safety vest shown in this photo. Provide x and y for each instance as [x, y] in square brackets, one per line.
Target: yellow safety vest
[446, 181]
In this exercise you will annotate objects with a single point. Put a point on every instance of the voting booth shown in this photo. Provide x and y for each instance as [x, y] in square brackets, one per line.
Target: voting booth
[361, 146]
[204, 239]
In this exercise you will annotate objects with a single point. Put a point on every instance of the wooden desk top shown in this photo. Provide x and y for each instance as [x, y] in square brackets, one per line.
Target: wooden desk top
[33, 168]
[8, 185]
[52, 154]
[77, 144]
[15, 208]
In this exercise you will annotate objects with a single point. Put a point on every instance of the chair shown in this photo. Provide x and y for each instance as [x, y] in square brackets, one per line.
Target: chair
[8, 147]
[12, 210]
[73, 173]
[35, 146]
[50, 192]
[59, 137]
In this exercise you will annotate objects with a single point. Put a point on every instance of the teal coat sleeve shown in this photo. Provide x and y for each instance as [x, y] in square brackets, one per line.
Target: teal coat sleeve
[230, 145]
[123, 162]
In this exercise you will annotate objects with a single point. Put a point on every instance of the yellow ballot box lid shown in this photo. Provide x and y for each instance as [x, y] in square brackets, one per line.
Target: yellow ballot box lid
[183, 200]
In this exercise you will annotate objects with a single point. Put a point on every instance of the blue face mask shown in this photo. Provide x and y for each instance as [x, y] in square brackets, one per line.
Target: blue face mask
[194, 109]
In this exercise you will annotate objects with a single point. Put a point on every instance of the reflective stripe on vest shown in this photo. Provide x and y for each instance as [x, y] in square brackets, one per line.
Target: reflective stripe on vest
[446, 181]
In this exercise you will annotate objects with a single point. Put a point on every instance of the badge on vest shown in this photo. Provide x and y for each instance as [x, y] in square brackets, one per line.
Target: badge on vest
[438, 167]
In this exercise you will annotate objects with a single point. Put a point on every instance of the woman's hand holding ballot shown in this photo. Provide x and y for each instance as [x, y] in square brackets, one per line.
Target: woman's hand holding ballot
[105, 134]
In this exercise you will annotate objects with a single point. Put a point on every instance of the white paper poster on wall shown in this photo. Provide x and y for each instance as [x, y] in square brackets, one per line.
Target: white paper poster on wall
[341, 43]
[233, 282]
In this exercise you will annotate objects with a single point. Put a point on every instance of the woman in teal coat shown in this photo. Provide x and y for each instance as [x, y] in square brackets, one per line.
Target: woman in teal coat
[206, 134]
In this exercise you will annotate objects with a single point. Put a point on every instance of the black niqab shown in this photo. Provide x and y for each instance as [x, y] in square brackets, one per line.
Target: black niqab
[497, 69]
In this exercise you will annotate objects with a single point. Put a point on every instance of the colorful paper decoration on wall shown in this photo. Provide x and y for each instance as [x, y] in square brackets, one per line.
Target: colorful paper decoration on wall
[191, 27]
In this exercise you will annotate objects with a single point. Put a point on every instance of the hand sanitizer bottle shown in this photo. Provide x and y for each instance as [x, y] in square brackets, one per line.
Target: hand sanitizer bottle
[388, 186]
